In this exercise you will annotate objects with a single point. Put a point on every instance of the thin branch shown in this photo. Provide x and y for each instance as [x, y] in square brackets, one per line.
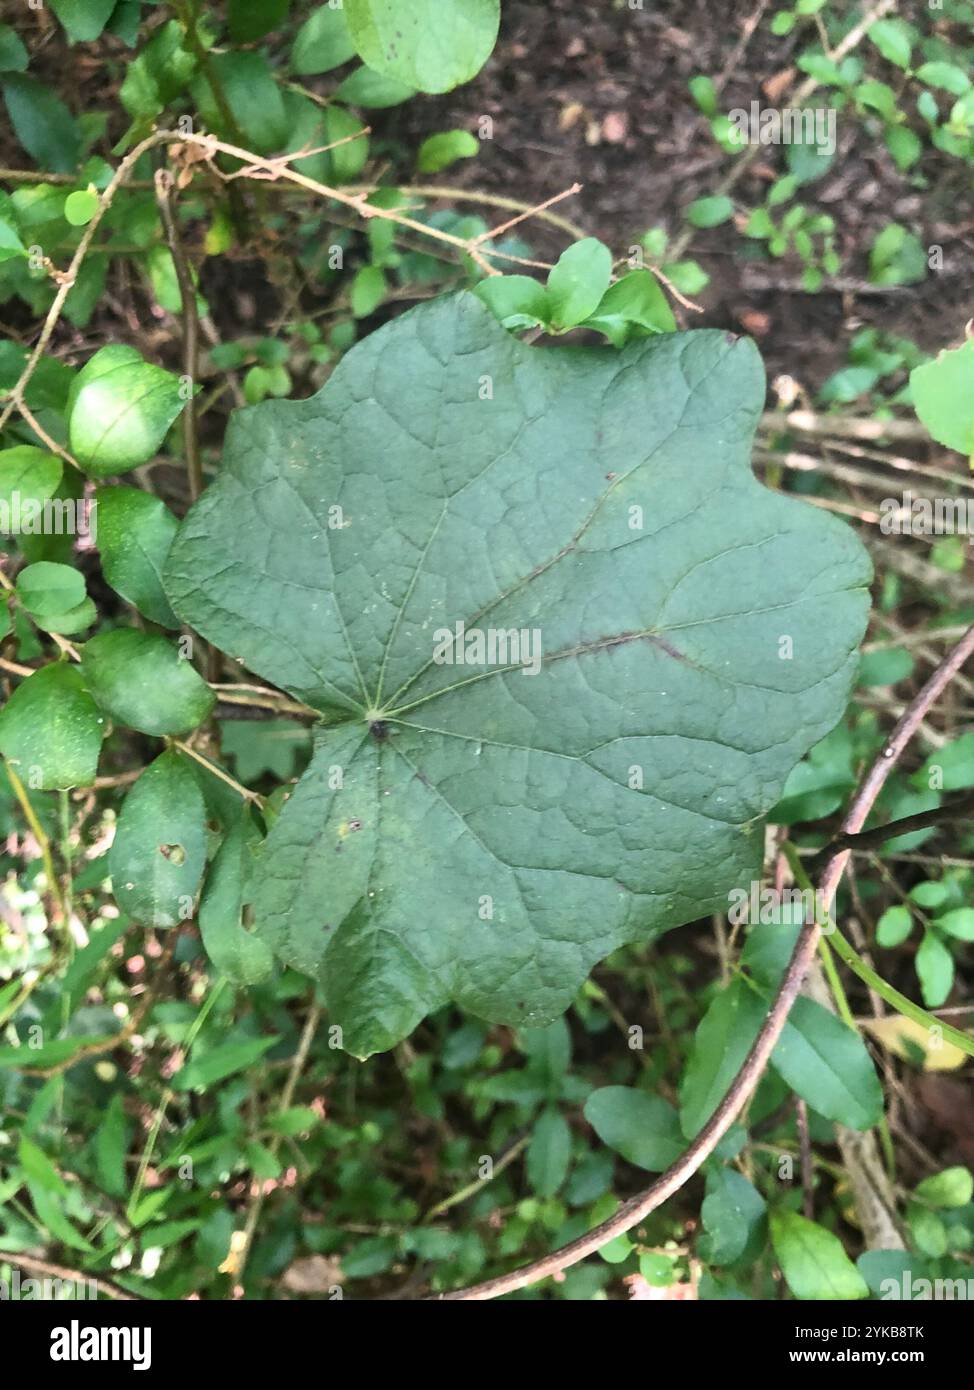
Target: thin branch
[843, 426]
[69, 1276]
[526, 212]
[637, 1208]
[16, 394]
[219, 772]
[213, 146]
[678, 295]
[869, 839]
[870, 977]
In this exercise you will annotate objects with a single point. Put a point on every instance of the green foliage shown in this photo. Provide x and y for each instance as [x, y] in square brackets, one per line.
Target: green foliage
[135, 531]
[943, 397]
[140, 679]
[157, 857]
[812, 1259]
[120, 409]
[50, 729]
[389, 671]
[433, 45]
[254, 826]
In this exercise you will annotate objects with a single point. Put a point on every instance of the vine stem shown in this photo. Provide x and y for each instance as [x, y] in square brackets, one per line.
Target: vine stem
[48, 1270]
[637, 1208]
[16, 399]
[260, 167]
[847, 953]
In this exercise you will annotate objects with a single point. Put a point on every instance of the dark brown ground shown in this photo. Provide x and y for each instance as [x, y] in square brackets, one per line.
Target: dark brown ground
[590, 91]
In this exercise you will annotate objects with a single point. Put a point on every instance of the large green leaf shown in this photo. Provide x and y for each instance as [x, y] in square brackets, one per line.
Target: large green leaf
[722, 1041]
[322, 43]
[135, 531]
[432, 44]
[826, 1062]
[943, 394]
[240, 955]
[157, 857]
[120, 409]
[51, 730]
[812, 1259]
[486, 834]
[643, 1128]
[140, 679]
[42, 123]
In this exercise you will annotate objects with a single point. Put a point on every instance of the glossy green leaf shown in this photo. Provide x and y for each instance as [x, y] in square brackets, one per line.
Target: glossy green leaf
[710, 212]
[432, 44]
[140, 679]
[368, 290]
[83, 20]
[644, 1129]
[322, 43]
[239, 954]
[722, 1041]
[45, 588]
[892, 38]
[943, 397]
[897, 257]
[812, 1259]
[444, 148]
[549, 1153]
[80, 207]
[363, 87]
[249, 20]
[120, 410]
[935, 970]
[224, 1060]
[348, 159]
[732, 1214]
[51, 729]
[42, 123]
[28, 478]
[894, 926]
[577, 281]
[953, 1187]
[134, 532]
[110, 1144]
[70, 622]
[156, 859]
[829, 1066]
[158, 73]
[517, 301]
[253, 96]
[13, 55]
[11, 246]
[928, 1233]
[958, 923]
[429, 838]
[636, 302]
[948, 76]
